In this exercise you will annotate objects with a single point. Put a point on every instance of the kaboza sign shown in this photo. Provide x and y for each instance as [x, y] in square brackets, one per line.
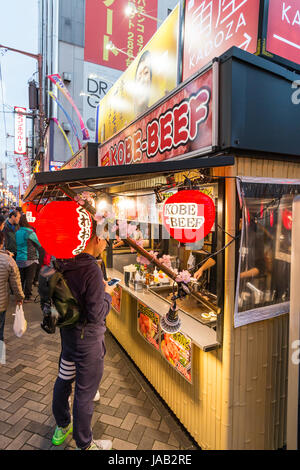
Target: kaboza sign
[189, 215]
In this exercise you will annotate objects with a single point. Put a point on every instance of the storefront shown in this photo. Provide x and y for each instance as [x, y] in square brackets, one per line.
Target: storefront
[224, 373]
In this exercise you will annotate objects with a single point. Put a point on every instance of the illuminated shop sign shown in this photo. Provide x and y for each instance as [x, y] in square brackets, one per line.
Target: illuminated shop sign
[179, 126]
[213, 26]
[189, 215]
[283, 29]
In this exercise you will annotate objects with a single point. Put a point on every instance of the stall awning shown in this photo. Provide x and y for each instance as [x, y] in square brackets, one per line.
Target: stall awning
[45, 185]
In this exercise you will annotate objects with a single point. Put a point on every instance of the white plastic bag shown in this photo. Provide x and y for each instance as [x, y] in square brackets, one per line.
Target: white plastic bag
[20, 324]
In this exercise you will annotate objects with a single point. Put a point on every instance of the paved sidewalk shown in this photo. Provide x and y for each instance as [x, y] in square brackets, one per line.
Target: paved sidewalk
[129, 412]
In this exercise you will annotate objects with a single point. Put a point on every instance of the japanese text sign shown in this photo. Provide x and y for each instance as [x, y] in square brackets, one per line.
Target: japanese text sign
[148, 324]
[283, 30]
[151, 76]
[180, 125]
[106, 22]
[212, 27]
[20, 131]
[189, 215]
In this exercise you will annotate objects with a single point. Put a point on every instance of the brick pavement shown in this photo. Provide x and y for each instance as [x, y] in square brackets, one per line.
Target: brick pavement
[129, 412]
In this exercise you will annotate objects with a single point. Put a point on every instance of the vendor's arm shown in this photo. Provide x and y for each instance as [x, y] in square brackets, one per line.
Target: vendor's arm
[118, 243]
[207, 265]
[250, 273]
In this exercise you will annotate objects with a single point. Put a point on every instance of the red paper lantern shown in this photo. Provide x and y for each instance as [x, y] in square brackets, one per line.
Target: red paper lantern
[31, 212]
[64, 228]
[188, 215]
[287, 218]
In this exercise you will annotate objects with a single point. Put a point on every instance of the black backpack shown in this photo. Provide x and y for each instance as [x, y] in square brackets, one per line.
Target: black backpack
[59, 306]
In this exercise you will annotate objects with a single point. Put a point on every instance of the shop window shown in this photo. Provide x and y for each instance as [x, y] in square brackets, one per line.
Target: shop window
[139, 215]
[263, 280]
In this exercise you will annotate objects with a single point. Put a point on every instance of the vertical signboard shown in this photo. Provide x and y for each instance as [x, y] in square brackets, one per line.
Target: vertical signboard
[151, 76]
[211, 27]
[106, 22]
[281, 32]
[20, 131]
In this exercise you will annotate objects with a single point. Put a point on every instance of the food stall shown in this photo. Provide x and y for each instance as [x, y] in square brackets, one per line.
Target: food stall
[224, 372]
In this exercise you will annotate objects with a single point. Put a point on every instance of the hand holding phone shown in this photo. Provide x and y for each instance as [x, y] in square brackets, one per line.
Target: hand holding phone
[113, 281]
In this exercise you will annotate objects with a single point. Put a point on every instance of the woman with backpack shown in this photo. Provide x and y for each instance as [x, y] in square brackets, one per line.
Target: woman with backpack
[27, 257]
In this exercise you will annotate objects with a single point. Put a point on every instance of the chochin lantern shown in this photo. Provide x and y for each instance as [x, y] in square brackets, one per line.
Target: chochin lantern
[287, 218]
[188, 215]
[31, 212]
[64, 228]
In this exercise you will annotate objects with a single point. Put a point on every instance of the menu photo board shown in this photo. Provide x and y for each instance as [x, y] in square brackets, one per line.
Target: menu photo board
[116, 299]
[280, 41]
[148, 324]
[177, 350]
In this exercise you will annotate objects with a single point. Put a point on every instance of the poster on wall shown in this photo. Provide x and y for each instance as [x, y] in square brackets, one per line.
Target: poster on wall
[148, 324]
[116, 299]
[151, 76]
[177, 350]
[213, 26]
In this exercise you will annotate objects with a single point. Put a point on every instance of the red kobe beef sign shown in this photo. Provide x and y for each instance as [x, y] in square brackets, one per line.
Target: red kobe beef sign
[283, 33]
[211, 27]
[180, 126]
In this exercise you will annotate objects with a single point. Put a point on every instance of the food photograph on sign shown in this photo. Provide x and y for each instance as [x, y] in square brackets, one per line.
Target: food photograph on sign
[177, 350]
[116, 299]
[148, 324]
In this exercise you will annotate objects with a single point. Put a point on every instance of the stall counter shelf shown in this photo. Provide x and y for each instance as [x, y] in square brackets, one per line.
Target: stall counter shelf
[201, 335]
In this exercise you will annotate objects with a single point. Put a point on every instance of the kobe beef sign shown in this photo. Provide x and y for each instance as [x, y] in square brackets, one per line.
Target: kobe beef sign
[179, 126]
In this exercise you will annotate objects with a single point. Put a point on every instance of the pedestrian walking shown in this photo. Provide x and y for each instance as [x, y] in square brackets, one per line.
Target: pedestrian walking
[9, 276]
[11, 227]
[83, 348]
[27, 257]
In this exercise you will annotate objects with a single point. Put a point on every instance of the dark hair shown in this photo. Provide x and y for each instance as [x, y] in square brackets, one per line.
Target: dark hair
[2, 219]
[24, 222]
[1, 238]
[12, 214]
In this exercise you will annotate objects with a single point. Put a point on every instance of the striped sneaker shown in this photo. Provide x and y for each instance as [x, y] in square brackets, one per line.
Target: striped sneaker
[60, 434]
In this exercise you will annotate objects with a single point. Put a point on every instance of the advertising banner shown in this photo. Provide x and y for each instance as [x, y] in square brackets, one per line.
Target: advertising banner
[23, 167]
[213, 26]
[116, 299]
[179, 126]
[55, 166]
[78, 161]
[177, 350]
[105, 21]
[151, 76]
[148, 324]
[283, 29]
[20, 131]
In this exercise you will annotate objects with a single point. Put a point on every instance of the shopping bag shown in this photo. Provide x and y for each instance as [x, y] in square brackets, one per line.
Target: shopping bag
[20, 324]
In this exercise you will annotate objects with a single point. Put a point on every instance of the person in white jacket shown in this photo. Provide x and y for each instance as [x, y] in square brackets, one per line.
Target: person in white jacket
[9, 276]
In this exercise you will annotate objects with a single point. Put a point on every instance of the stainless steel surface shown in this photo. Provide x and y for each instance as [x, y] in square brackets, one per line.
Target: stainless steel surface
[189, 305]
